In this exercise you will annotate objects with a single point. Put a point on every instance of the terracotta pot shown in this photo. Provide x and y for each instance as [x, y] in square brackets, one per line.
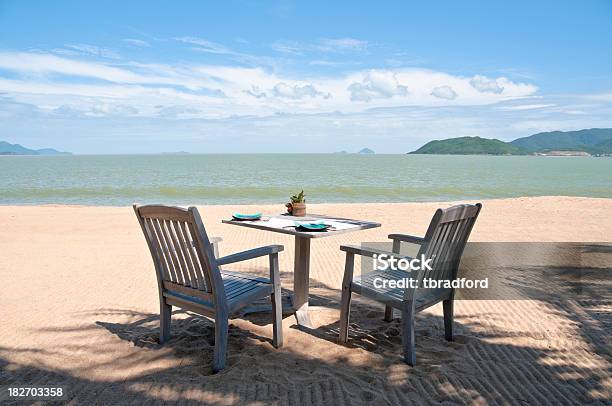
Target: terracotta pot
[298, 209]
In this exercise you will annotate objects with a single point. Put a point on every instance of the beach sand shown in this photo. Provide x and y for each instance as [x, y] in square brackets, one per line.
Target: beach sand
[80, 310]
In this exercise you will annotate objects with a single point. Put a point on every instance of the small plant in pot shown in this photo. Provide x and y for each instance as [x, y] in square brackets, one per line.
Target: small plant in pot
[297, 205]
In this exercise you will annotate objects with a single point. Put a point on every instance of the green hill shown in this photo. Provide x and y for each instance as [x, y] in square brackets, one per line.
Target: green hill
[582, 140]
[470, 146]
[16, 149]
[603, 148]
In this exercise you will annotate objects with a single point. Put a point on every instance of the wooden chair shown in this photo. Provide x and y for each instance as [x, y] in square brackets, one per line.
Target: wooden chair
[444, 242]
[189, 277]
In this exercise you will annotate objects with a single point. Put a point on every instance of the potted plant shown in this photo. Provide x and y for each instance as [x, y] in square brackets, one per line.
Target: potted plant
[297, 205]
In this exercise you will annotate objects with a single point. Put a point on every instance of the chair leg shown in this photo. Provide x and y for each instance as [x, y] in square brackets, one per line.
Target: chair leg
[345, 302]
[408, 338]
[345, 314]
[448, 319]
[277, 303]
[388, 313]
[220, 353]
[277, 320]
[165, 316]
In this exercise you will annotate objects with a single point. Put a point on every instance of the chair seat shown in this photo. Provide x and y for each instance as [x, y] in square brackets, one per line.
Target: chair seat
[364, 285]
[242, 289]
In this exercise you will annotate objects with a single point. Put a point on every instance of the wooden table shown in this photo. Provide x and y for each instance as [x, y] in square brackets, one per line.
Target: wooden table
[301, 272]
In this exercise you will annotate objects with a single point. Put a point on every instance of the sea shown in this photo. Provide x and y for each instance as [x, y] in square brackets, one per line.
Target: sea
[182, 179]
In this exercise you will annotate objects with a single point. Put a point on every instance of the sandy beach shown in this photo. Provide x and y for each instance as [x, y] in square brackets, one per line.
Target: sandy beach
[80, 310]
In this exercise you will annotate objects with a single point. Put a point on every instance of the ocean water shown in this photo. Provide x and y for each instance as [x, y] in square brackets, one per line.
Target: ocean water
[270, 178]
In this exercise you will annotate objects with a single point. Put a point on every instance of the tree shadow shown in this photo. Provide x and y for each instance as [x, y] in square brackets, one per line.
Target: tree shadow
[321, 295]
[475, 368]
[116, 359]
[577, 288]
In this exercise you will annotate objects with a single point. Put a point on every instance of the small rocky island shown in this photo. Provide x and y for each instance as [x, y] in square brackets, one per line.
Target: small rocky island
[366, 151]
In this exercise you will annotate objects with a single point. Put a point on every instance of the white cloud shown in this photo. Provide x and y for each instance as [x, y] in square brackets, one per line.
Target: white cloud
[377, 85]
[335, 44]
[321, 62]
[132, 73]
[105, 109]
[297, 92]
[93, 50]
[209, 47]
[32, 62]
[136, 42]
[323, 45]
[64, 51]
[289, 47]
[520, 107]
[205, 45]
[255, 92]
[444, 92]
[600, 96]
[177, 111]
[485, 84]
[172, 120]
[47, 81]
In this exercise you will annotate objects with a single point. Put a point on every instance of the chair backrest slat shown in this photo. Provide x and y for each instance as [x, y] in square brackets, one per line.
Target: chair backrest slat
[186, 253]
[181, 251]
[203, 257]
[164, 243]
[202, 281]
[155, 247]
[173, 250]
[165, 262]
[445, 239]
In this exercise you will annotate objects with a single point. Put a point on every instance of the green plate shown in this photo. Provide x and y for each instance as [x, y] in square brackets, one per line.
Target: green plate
[313, 226]
[242, 217]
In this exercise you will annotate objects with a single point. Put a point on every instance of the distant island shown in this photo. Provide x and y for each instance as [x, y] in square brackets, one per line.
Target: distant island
[366, 151]
[16, 149]
[176, 153]
[594, 141]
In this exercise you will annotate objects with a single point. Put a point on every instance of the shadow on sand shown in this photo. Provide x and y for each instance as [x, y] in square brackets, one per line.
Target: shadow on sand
[485, 364]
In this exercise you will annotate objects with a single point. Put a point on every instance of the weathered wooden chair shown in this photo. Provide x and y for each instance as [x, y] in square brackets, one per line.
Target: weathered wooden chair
[189, 277]
[444, 242]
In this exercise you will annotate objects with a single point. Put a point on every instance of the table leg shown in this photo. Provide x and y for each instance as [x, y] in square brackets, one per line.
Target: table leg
[301, 279]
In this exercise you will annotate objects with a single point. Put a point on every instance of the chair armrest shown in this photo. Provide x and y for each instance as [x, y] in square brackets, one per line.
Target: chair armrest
[407, 238]
[351, 250]
[250, 254]
[370, 252]
[214, 241]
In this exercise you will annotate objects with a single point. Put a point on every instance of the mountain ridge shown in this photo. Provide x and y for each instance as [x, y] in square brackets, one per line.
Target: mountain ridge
[579, 140]
[595, 141]
[7, 148]
[469, 146]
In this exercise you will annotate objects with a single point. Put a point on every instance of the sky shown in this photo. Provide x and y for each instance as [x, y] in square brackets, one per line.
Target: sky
[246, 76]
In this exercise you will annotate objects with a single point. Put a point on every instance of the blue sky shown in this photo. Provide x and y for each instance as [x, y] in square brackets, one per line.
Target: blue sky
[245, 76]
